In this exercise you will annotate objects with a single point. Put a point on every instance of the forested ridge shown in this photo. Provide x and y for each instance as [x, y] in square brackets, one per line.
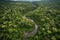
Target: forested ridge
[14, 20]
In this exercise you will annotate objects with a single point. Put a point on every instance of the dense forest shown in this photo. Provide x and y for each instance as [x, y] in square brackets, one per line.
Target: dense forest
[14, 15]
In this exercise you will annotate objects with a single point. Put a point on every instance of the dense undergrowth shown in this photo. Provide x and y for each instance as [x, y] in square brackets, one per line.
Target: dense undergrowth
[13, 21]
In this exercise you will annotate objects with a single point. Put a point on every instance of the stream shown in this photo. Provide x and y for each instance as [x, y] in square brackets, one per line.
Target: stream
[30, 34]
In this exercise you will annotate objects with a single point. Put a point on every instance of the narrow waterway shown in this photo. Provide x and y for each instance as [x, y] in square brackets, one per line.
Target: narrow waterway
[30, 34]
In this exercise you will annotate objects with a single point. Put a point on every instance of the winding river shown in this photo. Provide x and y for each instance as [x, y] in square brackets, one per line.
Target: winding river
[30, 34]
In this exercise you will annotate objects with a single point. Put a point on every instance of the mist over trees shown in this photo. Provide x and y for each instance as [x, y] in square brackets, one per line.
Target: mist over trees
[29, 0]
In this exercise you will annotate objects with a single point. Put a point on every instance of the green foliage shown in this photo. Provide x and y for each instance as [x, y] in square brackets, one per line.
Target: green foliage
[14, 21]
